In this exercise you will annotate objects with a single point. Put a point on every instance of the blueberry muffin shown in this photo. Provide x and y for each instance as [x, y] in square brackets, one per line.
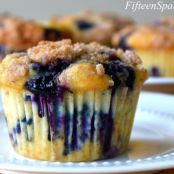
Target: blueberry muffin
[154, 43]
[89, 26]
[70, 102]
[19, 35]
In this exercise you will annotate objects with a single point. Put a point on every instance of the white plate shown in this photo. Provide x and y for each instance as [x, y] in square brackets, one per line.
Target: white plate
[159, 80]
[151, 146]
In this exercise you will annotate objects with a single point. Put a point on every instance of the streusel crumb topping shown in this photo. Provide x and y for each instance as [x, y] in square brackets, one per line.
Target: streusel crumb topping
[47, 51]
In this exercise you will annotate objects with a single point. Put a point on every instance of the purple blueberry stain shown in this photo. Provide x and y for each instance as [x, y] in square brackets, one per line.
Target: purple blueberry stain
[92, 127]
[49, 135]
[29, 121]
[13, 140]
[85, 116]
[85, 128]
[23, 120]
[67, 143]
[27, 98]
[109, 125]
[74, 143]
[14, 130]
[59, 116]
[2, 51]
[102, 126]
[18, 128]
[50, 113]
[112, 152]
[155, 71]
[37, 101]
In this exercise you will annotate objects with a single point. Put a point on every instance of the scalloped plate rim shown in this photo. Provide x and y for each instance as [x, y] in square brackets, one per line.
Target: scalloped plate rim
[159, 80]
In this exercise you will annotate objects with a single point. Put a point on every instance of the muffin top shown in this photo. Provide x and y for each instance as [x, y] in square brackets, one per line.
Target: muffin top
[89, 26]
[17, 34]
[76, 67]
[145, 36]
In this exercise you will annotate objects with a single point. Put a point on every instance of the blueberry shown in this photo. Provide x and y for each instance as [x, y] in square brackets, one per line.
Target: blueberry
[155, 71]
[36, 66]
[30, 121]
[84, 25]
[51, 34]
[43, 81]
[123, 43]
[58, 65]
[120, 72]
[41, 84]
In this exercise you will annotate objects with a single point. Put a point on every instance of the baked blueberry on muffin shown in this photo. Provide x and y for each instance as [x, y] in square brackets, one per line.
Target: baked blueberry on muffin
[70, 102]
[89, 26]
[19, 35]
[154, 43]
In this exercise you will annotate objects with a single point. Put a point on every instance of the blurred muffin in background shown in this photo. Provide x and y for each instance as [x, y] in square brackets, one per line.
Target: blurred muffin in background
[154, 43]
[17, 35]
[165, 21]
[90, 26]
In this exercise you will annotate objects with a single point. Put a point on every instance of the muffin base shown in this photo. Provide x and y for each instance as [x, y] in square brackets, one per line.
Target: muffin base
[100, 130]
[158, 63]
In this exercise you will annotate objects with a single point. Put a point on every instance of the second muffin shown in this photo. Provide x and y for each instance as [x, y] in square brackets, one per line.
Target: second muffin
[89, 26]
[154, 43]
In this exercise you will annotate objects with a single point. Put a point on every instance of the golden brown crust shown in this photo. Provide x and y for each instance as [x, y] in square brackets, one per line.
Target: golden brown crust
[47, 51]
[18, 34]
[14, 69]
[77, 77]
[146, 37]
